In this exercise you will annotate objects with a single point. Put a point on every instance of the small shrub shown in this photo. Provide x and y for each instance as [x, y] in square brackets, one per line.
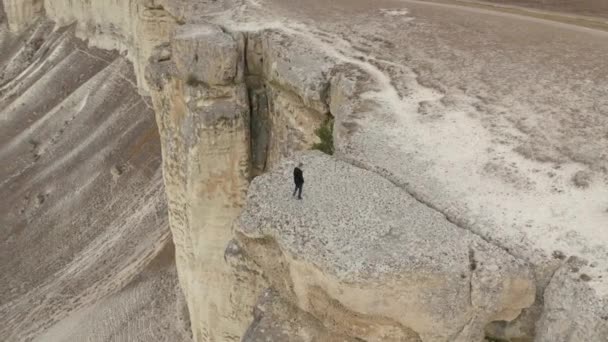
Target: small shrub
[326, 135]
[492, 339]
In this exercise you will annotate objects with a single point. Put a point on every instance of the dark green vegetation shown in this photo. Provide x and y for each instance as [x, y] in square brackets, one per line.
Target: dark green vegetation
[326, 135]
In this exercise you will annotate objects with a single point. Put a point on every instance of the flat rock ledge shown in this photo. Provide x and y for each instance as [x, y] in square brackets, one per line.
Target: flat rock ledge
[367, 260]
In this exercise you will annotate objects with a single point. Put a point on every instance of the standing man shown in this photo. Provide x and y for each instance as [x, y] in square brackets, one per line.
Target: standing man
[298, 178]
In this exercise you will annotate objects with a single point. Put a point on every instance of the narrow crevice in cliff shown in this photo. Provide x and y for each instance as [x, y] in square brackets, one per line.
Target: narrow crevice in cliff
[283, 118]
[259, 123]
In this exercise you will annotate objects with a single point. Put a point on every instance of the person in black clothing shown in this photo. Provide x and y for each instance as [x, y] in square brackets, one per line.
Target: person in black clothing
[298, 178]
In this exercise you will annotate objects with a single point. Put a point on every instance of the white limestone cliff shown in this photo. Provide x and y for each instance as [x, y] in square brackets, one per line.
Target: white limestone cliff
[423, 227]
[22, 13]
[133, 27]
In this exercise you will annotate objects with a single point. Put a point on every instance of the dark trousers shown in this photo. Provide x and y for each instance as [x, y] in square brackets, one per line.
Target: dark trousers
[298, 190]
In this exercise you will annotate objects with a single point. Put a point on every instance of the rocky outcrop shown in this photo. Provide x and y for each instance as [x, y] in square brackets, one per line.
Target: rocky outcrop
[370, 262]
[274, 321]
[134, 26]
[573, 311]
[205, 144]
[202, 101]
[289, 95]
[20, 13]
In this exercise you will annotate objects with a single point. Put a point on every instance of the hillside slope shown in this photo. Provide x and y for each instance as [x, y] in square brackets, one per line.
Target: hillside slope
[85, 247]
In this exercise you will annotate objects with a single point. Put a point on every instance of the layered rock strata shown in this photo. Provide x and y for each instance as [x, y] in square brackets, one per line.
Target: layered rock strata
[368, 261]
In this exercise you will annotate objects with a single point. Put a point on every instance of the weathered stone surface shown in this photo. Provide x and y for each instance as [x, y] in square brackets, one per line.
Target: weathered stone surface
[290, 85]
[205, 146]
[134, 27]
[260, 124]
[208, 137]
[286, 61]
[572, 311]
[376, 251]
[204, 53]
[277, 320]
[20, 13]
[292, 125]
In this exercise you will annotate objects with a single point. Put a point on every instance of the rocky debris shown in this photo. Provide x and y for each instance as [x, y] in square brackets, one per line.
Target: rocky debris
[371, 250]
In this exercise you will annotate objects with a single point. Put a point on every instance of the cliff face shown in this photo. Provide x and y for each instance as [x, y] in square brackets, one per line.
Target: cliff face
[423, 227]
[202, 84]
[133, 27]
[205, 154]
[20, 13]
[357, 250]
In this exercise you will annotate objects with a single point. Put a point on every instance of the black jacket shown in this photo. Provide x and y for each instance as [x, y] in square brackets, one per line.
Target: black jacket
[298, 177]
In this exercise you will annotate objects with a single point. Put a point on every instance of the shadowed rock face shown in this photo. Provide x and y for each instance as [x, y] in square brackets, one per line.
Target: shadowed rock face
[85, 246]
